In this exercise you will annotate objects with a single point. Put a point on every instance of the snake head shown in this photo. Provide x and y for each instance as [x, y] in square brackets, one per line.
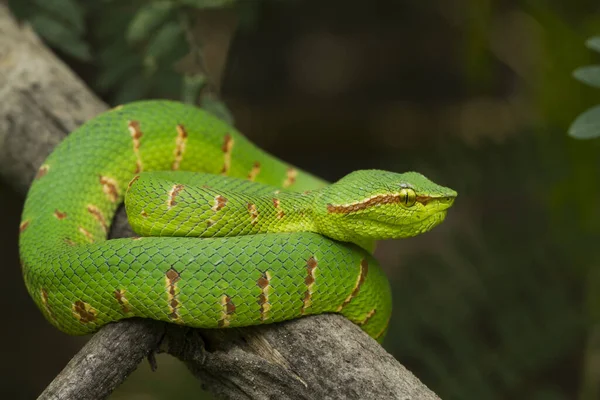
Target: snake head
[375, 204]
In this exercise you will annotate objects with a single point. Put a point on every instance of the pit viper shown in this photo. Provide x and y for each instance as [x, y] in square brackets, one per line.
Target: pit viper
[229, 235]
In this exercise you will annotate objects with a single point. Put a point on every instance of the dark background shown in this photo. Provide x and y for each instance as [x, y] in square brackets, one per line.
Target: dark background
[502, 301]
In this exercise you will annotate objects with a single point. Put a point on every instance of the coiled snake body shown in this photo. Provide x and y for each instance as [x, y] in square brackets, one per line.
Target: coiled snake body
[251, 240]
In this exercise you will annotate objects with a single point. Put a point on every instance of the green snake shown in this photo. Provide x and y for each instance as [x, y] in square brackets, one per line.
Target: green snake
[229, 235]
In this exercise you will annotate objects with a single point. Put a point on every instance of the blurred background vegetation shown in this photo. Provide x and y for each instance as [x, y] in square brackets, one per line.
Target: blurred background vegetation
[502, 301]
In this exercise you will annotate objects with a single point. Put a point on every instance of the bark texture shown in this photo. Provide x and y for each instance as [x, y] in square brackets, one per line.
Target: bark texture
[321, 357]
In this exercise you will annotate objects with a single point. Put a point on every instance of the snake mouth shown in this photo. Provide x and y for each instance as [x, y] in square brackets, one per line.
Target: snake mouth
[395, 228]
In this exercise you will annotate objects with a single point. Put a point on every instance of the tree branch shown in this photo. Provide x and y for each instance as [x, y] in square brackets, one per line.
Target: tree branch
[316, 357]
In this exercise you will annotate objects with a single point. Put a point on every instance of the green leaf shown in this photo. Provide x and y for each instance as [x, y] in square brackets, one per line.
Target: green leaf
[169, 36]
[147, 20]
[589, 75]
[192, 85]
[61, 37]
[217, 108]
[587, 124]
[69, 11]
[207, 3]
[593, 43]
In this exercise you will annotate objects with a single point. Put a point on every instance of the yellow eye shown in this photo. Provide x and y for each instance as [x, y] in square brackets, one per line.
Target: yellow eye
[408, 197]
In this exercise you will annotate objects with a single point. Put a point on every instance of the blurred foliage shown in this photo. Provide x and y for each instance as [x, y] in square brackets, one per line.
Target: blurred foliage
[149, 60]
[587, 125]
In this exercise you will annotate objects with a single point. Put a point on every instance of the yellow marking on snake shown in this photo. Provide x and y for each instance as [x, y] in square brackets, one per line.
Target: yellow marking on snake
[84, 312]
[227, 147]
[44, 297]
[254, 171]
[180, 142]
[290, 177]
[253, 210]
[277, 203]
[387, 323]
[228, 308]
[309, 281]
[132, 181]
[173, 194]
[86, 233]
[362, 275]
[23, 225]
[171, 279]
[367, 317]
[136, 135]
[98, 216]
[220, 203]
[264, 283]
[110, 188]
[122, 300]
[43, 170]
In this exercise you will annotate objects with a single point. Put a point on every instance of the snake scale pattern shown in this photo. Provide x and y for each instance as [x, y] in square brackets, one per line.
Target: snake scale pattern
[229, 235]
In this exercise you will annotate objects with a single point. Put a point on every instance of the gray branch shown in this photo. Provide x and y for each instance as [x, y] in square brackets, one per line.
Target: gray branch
[319, 357]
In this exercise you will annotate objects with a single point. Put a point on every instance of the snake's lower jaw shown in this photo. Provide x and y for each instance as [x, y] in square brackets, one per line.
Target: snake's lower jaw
[422, 225]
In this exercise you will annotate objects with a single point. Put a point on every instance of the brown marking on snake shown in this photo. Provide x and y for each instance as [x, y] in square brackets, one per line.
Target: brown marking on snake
[86, 233]
[368, 317]
[228, 309]
[424, 199]
[253, 213]
[136, 134]
[226, 148]
[171, 279]
[70, 242]
[263, 298]
[59, 214]
[209, 223]
[290, 178]
[43, 170]
[360, 279]
[23, 226]
[172, 194]
[122, 300]
[254, 171]
[84, 312]
[131, 182]
[97, 214]
[144, 214]
[277, 203]
[110, 188]
[220, 203]
[390, 198]
[180, 142]
[44, 297]
[309, 281]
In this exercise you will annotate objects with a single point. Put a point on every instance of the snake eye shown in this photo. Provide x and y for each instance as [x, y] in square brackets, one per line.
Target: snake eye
[408, 197]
